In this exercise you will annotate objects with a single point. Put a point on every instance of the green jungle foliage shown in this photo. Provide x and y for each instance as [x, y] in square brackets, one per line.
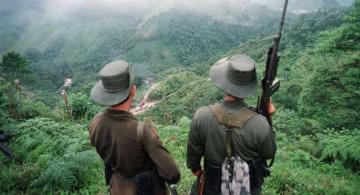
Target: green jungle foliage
[77, 49]
[50, 156]
[13, 65]
[317, 119]
[193, 38]
[169, 110]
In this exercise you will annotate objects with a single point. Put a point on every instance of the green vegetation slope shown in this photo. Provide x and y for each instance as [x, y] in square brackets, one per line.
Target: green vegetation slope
[317, 121]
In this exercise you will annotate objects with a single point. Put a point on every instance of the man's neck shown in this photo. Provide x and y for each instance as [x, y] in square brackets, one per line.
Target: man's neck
[232, 98]
[124, 106]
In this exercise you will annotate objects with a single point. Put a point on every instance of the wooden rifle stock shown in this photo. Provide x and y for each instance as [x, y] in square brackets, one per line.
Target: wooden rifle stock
[201, 184]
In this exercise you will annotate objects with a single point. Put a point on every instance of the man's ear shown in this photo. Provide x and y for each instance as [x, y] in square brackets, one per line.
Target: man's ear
[133, 90]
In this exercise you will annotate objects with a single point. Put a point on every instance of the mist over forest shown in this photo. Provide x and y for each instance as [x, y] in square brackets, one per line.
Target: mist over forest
[82, 35]
[52, 51]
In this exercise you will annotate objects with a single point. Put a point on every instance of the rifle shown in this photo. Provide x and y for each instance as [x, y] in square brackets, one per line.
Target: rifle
[6, 151]
[173, 190]
[201, 183]
[269, 83]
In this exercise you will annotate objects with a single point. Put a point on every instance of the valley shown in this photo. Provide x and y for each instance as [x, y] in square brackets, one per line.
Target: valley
[172, 45]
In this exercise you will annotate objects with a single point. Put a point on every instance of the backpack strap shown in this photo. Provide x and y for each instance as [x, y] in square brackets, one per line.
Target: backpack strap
[229, 144]
[140, 132]
[230, 121]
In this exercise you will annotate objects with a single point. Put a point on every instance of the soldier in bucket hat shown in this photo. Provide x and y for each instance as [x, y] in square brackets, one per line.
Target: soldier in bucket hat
[251, 135]
[135, 160]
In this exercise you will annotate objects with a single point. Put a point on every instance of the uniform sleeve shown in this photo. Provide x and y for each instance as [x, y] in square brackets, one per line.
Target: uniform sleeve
[195, 147]
[164, 163]
[267, 147]
[92, 128]
[97, 136]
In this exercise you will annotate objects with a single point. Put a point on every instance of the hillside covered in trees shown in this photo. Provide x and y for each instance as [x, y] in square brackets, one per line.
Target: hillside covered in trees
[318, 113]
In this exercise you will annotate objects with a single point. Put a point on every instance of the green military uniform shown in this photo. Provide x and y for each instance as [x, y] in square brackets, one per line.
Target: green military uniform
[114, 134]
[131, 150]
[253, 137]
[207, 137]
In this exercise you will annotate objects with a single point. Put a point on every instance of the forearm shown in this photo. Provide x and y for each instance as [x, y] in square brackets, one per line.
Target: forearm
[193, 155]
[165, 165]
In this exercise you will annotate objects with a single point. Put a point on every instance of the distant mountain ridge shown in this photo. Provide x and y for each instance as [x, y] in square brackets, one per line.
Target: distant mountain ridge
[79, 38]
[302, 6]
[82, 40]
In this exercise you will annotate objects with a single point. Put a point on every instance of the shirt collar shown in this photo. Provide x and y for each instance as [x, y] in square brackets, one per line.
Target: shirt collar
[119, 113]
[234, 104]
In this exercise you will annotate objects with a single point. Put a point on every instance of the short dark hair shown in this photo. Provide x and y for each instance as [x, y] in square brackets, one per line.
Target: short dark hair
[233, 96]
[127, 98]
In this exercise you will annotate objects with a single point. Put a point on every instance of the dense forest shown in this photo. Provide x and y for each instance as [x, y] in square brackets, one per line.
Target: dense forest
[318, 110]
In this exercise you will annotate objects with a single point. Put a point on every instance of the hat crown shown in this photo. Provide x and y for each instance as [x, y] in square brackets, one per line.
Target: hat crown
[241, 70]
[114, 68]
[235, 75]
[115, 76]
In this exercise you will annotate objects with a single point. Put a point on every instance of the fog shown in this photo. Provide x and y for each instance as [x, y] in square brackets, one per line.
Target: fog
[62, 9]
[68, 7]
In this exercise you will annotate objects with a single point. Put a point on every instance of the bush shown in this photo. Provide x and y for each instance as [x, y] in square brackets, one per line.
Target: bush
[172, 83]
[82, 107]
[29, 109]
[343, 146]
[184, 102]
[50, 157]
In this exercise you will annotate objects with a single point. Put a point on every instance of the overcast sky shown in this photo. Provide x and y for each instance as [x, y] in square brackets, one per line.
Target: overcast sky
[62, 8]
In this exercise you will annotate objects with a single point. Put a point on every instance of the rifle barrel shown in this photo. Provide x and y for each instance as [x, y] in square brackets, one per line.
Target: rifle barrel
[269, 86]
[275, 47]
[283, 16]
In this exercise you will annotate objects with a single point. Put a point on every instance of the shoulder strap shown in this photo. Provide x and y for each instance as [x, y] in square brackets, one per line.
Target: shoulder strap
[238, 119]
[140, 132]
[229, 145]
[230, 121]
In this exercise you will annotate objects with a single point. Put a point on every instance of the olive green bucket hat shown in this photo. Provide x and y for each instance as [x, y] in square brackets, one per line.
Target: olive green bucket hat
[115, 84]
[235, 75]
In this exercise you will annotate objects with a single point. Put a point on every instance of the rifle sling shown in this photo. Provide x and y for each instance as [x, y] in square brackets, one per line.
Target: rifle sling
[140, 132]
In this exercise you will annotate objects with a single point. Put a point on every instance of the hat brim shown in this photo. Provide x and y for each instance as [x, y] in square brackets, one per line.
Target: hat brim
[101, 96]
[219, 78]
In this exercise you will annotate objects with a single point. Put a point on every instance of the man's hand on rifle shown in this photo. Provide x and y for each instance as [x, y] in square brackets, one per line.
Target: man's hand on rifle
[198, 173]
[271, 108]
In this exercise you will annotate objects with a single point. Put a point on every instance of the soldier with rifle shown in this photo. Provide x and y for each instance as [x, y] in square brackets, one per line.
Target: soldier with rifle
[235, 140]
[136, 162]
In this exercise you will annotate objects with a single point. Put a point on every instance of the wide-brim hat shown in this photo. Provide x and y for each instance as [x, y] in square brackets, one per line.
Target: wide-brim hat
[115, 84]
[235, 75]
